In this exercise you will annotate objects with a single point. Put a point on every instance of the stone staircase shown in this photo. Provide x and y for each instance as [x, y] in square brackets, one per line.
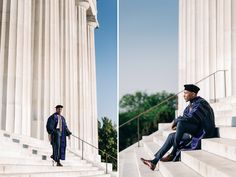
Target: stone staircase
[217, 157]
[22, 156]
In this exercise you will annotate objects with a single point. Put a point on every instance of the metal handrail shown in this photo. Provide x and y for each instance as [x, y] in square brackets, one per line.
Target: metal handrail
[83, 141]
[167, 99]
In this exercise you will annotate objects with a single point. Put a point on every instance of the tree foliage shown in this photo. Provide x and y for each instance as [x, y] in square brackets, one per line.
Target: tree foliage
[134, 104]
[107, 133]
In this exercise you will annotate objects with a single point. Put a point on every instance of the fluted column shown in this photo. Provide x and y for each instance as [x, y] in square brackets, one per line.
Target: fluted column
[228, 46]
[233, 28]
[26, 71]
[37, 90]
[212, 44]
[92, 82]
[46, 103]
[11, 65]
[4, 42]
[16, 60]
[82, 7]
[206, 62]
[220, 47]
[74, 76]
[73, 109]
[182, 52]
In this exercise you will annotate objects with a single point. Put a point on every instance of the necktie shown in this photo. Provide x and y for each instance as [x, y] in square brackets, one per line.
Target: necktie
[190, 107]
[60, 123]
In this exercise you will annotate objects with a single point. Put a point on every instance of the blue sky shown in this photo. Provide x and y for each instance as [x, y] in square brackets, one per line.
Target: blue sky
[148, 46]
[106, 59]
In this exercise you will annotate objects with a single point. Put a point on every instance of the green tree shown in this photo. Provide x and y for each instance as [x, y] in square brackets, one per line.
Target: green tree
[107, 133]
[133, 104]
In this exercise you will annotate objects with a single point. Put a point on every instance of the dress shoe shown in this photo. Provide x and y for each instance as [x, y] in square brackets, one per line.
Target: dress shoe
[148, 163]
[168, 158]
[59, 164]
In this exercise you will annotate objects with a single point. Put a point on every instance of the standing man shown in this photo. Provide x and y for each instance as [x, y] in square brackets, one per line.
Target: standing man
[197, 122]
[57, 130]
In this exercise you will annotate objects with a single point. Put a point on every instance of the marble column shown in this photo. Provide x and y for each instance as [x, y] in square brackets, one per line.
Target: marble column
[233, 47]
[82, 7]
[47, 57]
[92, 24]
[4, 44]
[212, 44]
[182, 52]
[47, 105]
[220, 58]
[206, 59]
[26, 72]
[227, 48]
[37, 90]
[212, 29]
[11, 65]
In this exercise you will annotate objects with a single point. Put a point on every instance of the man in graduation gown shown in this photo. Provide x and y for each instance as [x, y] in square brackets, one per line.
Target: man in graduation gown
[196, 123]
[58, 130]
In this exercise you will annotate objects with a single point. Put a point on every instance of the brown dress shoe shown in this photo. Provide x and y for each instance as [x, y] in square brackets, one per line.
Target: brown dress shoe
[59, 164]
[148, 163]
[168, 158]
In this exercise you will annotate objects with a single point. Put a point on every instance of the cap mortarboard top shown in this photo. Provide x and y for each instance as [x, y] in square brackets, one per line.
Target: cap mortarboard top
[59, 106]
[191, 88]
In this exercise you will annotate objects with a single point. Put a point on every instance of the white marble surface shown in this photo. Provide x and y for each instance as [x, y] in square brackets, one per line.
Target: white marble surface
[47, 57]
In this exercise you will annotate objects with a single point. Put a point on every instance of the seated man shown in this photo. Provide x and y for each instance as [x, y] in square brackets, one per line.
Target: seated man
[197, 122]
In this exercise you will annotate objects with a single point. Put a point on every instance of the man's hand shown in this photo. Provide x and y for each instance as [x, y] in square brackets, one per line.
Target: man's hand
[173, 126]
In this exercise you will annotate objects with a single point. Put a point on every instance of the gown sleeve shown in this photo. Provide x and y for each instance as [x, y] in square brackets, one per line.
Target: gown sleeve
[50, 125]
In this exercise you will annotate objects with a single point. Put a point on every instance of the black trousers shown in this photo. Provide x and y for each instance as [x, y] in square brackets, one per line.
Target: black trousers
[56, 146]
[183, 131]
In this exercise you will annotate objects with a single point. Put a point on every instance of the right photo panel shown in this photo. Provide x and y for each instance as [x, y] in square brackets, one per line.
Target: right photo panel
[177, 88]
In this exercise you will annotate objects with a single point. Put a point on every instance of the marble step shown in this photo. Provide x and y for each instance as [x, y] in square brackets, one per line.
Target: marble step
[151, 148]
[229, 99]
[225, 120]
[224, 132]
[176, 169]
[221, 106]
[167, 132]
[11, 150]
[170, 169]
[224, 103]
[128, 163]
[220, 146]
[209, 165]
[44, 152]
[25, 139]
[77, 173]
[227, 132]
[9, 169]
[22, 161]
[164, 126]
[33, 161]
[8, 149]
[102, 175]
[144, 170]
[160, 140]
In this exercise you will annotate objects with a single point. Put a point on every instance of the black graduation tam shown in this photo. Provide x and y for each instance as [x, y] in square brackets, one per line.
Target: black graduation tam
[191, 88]
[59, 106]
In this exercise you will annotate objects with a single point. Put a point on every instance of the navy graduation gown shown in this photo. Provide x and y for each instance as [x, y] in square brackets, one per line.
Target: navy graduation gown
[202, 115]
[51, 128]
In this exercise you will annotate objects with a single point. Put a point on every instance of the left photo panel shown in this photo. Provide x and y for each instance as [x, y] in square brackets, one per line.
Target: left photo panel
[58, 88]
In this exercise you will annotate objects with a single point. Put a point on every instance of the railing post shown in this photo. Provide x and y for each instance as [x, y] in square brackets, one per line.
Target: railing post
[225, 82]
[106, 164]
[82, 150]
[214, 87]
[138, 131]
